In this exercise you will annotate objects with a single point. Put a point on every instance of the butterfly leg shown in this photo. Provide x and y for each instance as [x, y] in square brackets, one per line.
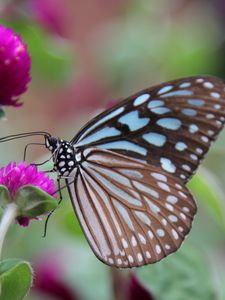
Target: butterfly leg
[60, 197]
[60, 200]
[59, 189]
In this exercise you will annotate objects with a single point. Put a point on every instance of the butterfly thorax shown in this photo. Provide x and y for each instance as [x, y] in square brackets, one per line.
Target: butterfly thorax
[63, 155]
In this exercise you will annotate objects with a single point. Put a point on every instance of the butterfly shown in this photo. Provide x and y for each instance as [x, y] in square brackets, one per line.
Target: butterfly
[127, 168]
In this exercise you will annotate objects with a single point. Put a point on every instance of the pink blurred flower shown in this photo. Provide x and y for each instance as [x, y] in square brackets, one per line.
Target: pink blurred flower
[15, 176]
[51, 14]
[136, 291]
[14, 67]
[50, 280]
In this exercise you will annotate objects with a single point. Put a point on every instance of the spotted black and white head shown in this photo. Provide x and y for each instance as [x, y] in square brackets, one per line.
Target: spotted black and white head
[63, 154]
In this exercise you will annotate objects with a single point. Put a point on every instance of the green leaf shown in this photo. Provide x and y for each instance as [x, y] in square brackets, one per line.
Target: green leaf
[4, 196]
[206, 187]
[15, 279]
[33, 202]
[183, 275]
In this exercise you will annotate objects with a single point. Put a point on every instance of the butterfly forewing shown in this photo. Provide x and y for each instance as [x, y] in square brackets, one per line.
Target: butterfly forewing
[132, 213]
[170, 125]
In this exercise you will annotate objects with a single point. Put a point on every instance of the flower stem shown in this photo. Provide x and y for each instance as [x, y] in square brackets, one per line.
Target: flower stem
[9, 215]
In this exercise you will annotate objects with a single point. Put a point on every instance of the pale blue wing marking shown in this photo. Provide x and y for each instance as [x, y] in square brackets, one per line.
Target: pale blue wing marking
[180, 146]
[103, 120]
[141, 99]
[160, 110]
[189, 112]
[178, 93]
[154, 138]
[100, 134]
[196, 102]
[133, 121]
[124, 145]
[165, 89]
[169, 123]
[155, 103]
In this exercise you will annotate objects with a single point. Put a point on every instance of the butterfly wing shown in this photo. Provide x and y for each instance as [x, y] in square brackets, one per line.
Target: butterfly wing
[132, 213]
[170, 125]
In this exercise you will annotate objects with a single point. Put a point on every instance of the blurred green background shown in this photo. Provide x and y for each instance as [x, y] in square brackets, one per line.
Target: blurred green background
[84, 55]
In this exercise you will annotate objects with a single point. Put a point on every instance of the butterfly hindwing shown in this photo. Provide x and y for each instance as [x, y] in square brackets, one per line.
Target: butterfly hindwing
[131, 213]
[170, 125]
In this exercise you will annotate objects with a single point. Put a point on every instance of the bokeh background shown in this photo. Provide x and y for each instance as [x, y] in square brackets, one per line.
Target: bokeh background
[85, 55]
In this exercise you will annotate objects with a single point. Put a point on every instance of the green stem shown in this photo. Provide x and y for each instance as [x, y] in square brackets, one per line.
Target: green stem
[9, 216]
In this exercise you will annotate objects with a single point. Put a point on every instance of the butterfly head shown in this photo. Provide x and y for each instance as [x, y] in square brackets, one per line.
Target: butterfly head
[52, 143]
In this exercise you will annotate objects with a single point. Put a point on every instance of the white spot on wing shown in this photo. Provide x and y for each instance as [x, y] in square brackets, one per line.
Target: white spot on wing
[193, 128]
[159, 176]
[133, 241]
[180, 146]
[148, 255]
[163, 186]
[141, 99]
[142, 239]
[139, 257]
[160, 232]
[204, 138]
[208, 85]
[215, 95]
[173, 218]
[124, 243]
[158, 249]
[172, 199]
[130, 258]
[175, 234]
[150, 234]
[167, 165]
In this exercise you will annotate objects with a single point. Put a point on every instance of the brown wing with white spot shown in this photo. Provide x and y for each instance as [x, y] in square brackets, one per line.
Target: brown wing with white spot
[170, 125]
[132, 213]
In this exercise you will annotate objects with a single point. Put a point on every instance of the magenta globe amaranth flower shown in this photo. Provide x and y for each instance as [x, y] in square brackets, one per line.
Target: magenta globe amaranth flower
[16, 176]
[14, 67]
[31, 190]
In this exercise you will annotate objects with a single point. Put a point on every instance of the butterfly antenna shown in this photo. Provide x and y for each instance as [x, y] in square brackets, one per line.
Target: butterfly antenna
[23, 135]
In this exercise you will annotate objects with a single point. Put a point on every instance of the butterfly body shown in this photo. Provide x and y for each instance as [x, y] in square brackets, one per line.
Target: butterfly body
[126, 169]
[63, 154]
